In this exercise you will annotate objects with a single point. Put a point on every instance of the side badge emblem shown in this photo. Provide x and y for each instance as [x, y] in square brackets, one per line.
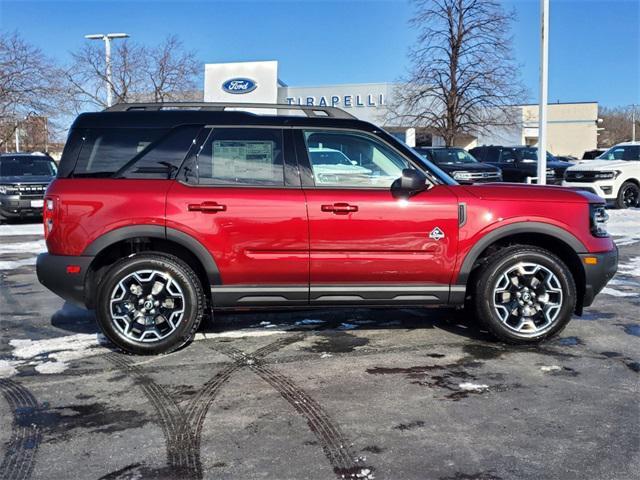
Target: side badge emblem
[436, 234]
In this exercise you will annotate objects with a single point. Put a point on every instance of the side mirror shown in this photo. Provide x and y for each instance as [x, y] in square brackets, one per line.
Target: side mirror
[411, 182]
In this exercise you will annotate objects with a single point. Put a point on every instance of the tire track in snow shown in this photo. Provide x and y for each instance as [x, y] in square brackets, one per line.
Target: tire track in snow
[182, 427]
[20, 457]
[333, 441]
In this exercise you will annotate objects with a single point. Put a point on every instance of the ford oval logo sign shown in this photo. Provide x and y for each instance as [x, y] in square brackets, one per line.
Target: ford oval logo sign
[239, 85]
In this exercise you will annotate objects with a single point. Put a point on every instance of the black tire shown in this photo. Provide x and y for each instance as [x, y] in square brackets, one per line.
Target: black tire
[494, 271]
[184, 281]
[628, 195]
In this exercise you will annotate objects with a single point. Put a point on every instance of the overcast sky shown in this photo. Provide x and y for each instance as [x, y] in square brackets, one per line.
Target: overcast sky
[594, 49]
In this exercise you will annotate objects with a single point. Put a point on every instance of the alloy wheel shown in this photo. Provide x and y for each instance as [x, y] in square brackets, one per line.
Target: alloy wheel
[147, 305]
[528, 298]
[631, 196]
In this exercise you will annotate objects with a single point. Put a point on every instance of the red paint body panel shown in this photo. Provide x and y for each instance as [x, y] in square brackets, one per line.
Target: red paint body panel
[269, 236]
[386, 240]
[89, 208]
[260, 238]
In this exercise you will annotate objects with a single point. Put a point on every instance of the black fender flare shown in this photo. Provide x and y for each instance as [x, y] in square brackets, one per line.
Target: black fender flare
[513, 229]
[161, 232]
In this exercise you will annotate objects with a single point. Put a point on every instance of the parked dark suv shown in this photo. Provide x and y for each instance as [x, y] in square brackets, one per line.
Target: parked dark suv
[461, 165]
[24, 178]
[159, 215]
[520, 163]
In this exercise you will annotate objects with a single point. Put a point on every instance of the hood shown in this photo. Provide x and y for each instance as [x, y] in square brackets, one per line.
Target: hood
[604, 164]
[530, 193]
[467, 167]
[26, 180]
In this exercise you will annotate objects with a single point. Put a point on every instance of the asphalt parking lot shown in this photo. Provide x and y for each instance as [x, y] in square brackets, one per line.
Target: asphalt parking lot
[386, 394]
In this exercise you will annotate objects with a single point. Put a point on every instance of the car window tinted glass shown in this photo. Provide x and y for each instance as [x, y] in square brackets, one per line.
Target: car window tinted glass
[106, 151]
[240, 156]
[624, 152]
[163, 158]
[492, 155]
[531, 155]
[25, 166]
[452, 156]
[363, 161]
[508, 156]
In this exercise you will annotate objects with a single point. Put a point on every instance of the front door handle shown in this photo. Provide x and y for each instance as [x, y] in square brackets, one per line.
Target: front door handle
[339, 208]
[207, 207]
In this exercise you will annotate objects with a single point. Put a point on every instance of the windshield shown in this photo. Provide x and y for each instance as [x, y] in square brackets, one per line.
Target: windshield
[24, 166]
[531, 155]
[451, 156]
[623, 152]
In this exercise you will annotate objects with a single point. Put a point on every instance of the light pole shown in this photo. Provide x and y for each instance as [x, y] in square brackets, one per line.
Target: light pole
[107, 50]
[542, 112]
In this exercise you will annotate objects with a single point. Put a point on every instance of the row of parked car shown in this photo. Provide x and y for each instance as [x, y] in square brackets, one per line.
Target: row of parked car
[614, 175]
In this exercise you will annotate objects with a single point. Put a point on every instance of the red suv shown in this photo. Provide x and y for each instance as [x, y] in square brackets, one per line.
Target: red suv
[161, 213]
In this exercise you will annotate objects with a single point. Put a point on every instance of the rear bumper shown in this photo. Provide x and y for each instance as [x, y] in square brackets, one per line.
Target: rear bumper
[52, 273]
[598, 275]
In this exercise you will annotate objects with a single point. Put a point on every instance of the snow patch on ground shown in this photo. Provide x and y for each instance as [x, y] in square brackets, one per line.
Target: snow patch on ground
[617, 293]
[13, 264]
[52, 355]
[550, 368]
[624, 225]
[36, 246]
[27, 229]
[473, 387]
[632, 267]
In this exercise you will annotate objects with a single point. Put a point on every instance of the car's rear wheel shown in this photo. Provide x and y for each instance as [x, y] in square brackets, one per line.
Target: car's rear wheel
[524, 294]
[150, 303]
[628, 195]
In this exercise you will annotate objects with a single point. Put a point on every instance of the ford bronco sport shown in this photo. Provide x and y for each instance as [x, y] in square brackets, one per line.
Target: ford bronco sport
[162, 213]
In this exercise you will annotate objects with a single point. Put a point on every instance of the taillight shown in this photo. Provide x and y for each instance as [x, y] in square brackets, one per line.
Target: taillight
[49, 214]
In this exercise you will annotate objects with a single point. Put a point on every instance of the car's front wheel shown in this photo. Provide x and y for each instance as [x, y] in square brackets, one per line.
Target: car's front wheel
[150, 303]
[524, 294]
[628, 196]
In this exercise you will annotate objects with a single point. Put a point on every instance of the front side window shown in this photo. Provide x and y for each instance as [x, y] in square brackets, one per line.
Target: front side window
[350, 159]
[239, 156]
[625, 152]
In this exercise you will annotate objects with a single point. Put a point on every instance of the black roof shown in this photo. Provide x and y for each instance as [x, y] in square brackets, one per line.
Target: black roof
[174, 118]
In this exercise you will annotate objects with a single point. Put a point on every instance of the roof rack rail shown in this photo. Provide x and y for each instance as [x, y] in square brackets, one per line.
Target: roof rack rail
[309, 110]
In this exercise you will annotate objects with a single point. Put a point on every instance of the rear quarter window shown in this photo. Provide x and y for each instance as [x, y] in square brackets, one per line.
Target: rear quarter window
[127, 152]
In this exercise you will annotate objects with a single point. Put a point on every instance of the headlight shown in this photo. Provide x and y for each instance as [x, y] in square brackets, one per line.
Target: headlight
[599, 218]
[461, 175]
[606, 175]
[8, 190]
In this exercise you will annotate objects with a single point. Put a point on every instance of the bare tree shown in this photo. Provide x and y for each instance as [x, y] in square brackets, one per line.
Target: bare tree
[163, 72]
[617, 125]
[29, 86]
[171, 70]
[463, 78]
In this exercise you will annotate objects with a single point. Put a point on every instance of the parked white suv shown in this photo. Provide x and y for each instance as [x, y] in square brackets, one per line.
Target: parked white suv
[614, 175]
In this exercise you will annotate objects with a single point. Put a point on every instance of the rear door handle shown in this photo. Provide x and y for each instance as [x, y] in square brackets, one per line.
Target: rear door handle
[339, 208]
[207, 207]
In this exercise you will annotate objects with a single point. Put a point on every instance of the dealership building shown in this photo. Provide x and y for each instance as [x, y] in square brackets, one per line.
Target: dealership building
[572, 128]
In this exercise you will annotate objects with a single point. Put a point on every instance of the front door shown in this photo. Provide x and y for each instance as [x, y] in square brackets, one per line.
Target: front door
[238, 197]
[366, 246]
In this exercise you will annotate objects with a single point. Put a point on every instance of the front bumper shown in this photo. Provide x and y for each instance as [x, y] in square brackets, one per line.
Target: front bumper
[13, 206]
[604, 189]
[598, 275]
[52, 273]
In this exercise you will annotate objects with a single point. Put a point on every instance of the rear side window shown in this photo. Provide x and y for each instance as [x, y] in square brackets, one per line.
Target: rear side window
[105, 151]
[238, 156]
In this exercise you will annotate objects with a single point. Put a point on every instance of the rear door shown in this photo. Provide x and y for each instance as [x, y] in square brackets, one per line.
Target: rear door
[366, 246]
[239, 196]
